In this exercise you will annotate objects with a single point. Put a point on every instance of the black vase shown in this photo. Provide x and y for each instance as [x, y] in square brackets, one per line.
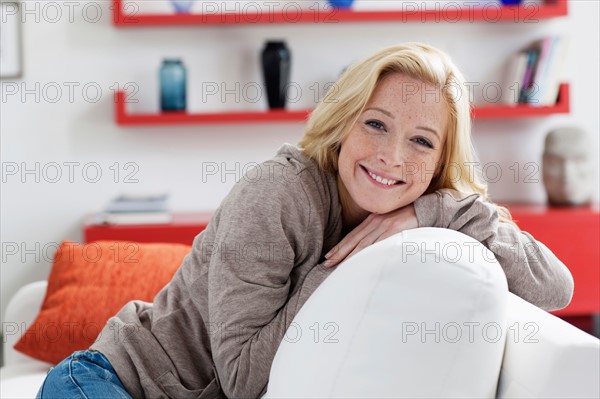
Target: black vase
[276, 64]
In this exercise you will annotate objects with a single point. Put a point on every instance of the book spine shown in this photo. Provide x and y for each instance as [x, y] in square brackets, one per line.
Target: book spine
[538, 79]
[514, 78]
[555, 73]
[527, 86]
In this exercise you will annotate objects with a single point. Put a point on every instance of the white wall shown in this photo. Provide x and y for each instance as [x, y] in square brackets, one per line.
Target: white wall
[36, 215]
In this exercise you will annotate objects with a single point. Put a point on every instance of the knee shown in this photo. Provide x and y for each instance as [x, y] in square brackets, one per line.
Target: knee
[55, 384]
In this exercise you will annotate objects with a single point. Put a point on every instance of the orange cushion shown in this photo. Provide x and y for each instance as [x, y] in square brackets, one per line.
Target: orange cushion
[90, 283]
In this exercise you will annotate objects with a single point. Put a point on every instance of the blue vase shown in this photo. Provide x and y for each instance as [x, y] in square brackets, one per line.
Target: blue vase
[172, 85]
[341, 3]
[182, 6]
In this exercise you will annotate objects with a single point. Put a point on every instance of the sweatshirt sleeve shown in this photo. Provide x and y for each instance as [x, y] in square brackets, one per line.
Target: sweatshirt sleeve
[261, 232]
[533, 272]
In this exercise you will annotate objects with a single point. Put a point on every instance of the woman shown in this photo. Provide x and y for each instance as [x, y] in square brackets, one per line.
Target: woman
[387, 149]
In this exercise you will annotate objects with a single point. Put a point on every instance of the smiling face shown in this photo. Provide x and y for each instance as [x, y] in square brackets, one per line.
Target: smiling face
[389, 156]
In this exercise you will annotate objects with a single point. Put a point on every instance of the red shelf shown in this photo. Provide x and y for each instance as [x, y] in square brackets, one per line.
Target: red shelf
[562, 106]
[528, 13]
[181, 118]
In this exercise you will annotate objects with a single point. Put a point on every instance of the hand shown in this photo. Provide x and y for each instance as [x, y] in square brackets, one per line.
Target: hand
[374, 228]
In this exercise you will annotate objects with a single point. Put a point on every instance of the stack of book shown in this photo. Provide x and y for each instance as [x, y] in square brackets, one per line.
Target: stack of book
[534, 74]
[136, 209]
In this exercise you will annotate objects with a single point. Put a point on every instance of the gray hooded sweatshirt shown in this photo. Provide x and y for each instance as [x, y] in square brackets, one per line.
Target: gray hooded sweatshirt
[213, 331]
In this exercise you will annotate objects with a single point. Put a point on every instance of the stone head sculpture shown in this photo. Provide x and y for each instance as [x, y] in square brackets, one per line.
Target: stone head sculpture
[567, 167]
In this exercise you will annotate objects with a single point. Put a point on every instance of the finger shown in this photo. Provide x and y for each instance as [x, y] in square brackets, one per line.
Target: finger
[388, 234]
[349, 242]
[407, 225]
[341, 252]
[367, 240]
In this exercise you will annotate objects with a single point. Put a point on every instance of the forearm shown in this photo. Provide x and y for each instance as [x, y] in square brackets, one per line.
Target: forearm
[245, 353]
[533, 272]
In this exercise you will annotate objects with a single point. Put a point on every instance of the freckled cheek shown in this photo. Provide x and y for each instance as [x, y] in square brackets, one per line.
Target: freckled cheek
[363, 149]
[419, 169]
[365, 140]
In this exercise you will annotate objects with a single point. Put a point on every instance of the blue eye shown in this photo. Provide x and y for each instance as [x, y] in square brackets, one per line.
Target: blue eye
[375, 124]
[424, 142]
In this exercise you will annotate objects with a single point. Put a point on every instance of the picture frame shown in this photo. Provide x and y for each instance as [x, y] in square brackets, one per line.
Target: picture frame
[11, 63]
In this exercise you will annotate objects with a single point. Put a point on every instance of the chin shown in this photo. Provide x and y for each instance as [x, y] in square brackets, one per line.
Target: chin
[375, 207]
[380, 210]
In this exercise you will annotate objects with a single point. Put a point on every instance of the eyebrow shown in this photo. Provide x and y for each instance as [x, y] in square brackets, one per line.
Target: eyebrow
[385, 112]
[429, 130]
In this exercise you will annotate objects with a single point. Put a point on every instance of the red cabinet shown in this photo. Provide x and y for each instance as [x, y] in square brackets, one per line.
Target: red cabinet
[573, 234]
[182, 229]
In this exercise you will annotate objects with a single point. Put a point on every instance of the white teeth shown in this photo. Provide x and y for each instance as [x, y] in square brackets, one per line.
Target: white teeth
[382, 180]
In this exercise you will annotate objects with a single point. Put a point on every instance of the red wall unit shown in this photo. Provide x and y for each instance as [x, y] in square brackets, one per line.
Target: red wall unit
[573, 234]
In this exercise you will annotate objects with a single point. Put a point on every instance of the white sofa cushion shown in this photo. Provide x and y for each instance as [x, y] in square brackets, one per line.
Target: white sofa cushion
[545, 357]
[420, 314]
[22, 380]
[20, 313]
[22, 376]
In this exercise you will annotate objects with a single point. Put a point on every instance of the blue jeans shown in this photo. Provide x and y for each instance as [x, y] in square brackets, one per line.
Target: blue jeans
[84, 374]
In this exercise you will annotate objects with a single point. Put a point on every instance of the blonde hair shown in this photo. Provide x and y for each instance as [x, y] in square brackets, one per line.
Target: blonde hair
[332, 119]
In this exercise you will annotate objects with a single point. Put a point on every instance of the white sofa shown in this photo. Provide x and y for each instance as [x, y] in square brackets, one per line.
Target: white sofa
[360, 352]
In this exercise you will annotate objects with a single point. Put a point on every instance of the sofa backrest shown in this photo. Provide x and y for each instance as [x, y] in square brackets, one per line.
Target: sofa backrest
[22, 309]
[354, 337]
[420, 314]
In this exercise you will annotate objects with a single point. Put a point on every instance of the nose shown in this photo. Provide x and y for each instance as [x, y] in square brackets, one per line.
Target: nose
[391, 152]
